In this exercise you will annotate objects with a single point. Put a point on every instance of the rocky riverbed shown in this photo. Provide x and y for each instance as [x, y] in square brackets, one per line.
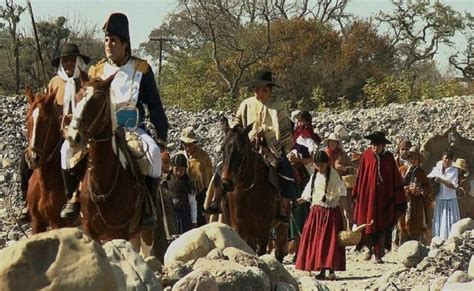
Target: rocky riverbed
[416, 121]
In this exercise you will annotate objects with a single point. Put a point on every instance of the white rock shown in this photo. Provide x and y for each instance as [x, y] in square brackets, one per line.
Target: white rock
[458, 277]
[196, 280]
[410, 253]
[308, 283]
[470, 271]
[461, 226]
[191, 245]
[459, 286]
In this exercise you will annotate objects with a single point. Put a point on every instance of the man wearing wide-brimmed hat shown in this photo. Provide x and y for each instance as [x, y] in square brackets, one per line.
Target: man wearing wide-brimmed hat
[132, 89]
[419, 214]
[200, 168]
[70, 63]
[271, 128]
[378, 195]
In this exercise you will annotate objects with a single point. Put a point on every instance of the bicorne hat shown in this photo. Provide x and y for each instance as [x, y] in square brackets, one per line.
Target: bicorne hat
[69, 50]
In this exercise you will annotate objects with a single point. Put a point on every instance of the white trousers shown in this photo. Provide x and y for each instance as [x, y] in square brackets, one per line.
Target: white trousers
[150, 147]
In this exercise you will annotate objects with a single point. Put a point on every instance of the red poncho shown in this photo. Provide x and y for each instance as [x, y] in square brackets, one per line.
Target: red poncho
[378, 192]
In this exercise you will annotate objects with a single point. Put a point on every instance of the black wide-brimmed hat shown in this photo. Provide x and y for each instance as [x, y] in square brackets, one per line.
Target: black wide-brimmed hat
[262, 78]
[69, 50]
[377, 137]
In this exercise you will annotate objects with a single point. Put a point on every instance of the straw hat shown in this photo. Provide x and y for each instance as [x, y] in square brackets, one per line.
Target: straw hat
[332, 136]
[461, 164]
[414, 151]
[188, 135]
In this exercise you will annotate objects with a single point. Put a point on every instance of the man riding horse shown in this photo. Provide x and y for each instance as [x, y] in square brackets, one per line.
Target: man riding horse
[271, 133]
[132, 89]
[70, 63]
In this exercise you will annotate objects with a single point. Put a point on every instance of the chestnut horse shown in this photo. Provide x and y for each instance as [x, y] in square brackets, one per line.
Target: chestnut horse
[111, 198]
[45, 196]
[252, 198]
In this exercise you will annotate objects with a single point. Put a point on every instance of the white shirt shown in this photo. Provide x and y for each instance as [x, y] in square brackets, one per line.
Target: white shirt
[335, 190]
[450, 174]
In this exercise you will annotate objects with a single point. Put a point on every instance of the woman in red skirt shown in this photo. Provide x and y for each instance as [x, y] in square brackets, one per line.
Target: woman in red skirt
[319, 250]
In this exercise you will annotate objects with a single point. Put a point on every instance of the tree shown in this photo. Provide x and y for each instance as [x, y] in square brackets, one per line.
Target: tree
[11, 14]
[418, 28]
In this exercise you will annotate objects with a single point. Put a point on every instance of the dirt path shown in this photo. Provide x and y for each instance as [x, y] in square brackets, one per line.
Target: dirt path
[359, 274]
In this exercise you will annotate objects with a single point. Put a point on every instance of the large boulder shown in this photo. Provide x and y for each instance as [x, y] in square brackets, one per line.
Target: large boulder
[130, 269]
[459, 286]
[196, 280]
[411, 253]
[461, 226]
[197, 243]
[458, 277]
[63, 259]
[174, 272]
[232, 276]
[191, 245]
[223, 236]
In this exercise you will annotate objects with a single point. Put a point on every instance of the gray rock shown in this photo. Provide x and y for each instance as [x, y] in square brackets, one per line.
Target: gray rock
[470, 271]
[196, 280]
[410, 253]
[130, 270]
[216, 254]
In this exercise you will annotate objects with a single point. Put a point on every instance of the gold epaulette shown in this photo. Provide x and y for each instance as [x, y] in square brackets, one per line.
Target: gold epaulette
[140, 65]
[97, 70]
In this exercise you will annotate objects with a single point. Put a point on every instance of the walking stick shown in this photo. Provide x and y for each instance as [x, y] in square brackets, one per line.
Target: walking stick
[38, 47]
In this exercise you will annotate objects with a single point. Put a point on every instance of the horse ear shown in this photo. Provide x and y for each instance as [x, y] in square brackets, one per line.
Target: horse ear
[225, 124]
[84, 78]
[29, 95]
[248, 128]
[109, 80]
[51, 95]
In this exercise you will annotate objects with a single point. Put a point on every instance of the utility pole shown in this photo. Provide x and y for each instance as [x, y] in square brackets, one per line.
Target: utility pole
[161, 40]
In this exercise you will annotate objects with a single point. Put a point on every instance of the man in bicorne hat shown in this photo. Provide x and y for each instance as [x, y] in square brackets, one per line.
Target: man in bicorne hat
[70, 65]
[271, 128]
[132, 89]
[378, 195]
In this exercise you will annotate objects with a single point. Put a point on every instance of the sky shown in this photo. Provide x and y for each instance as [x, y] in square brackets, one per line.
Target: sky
[145, 15]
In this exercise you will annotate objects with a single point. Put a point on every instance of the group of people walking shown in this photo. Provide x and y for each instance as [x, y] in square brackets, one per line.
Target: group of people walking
[329, 191]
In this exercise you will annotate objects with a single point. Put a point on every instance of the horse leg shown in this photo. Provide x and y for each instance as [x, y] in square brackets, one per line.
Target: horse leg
[281, 242]
[37, 224]
[262, 243]
[146, 243]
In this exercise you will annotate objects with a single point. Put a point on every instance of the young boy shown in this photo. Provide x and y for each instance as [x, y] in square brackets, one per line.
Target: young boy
[182, 194]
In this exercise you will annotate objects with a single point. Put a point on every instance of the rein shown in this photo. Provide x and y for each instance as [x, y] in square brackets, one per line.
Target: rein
[241, 171]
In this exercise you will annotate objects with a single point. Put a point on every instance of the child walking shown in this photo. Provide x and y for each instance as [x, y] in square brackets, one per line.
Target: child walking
[318, 249]
[182, 194]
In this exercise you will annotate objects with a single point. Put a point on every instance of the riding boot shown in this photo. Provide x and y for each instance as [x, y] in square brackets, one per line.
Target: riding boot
[25, 173]
[72, 208]
[283, 209]
[149, 220]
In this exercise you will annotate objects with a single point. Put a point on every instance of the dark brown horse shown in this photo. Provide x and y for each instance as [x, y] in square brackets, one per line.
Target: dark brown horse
[252, 199]
[45, 195]
[111, 198]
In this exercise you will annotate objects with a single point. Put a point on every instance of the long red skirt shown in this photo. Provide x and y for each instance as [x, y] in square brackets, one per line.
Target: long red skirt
[318, 246]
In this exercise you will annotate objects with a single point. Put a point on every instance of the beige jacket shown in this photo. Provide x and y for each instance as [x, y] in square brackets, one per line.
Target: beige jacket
[270, 116]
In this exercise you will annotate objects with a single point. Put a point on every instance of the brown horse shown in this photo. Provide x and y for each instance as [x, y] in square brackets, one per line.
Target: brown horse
[252, 199]
[111, 198]
[45, 195]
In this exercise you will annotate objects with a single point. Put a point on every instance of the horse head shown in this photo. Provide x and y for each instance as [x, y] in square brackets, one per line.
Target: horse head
[91, 116]
[235, 148]
[43, 128]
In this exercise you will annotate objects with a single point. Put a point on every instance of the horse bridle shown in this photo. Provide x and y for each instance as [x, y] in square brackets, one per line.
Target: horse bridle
[40, 151]
[96, 119]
